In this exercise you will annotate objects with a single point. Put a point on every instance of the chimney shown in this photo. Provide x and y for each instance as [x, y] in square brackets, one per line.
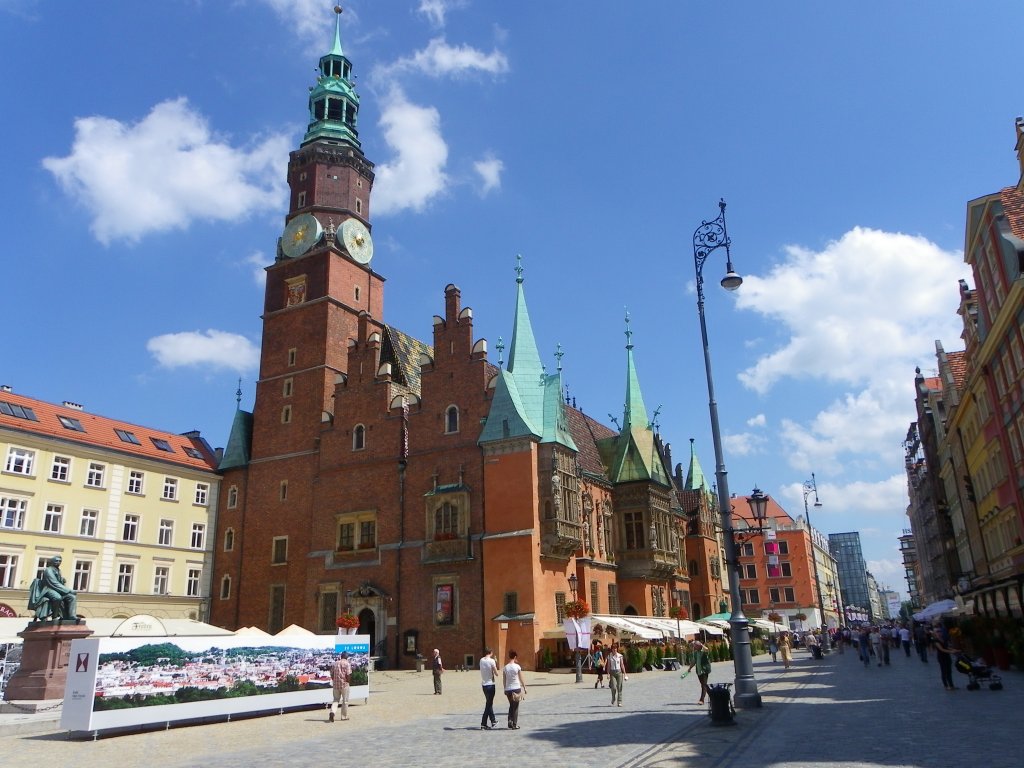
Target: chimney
[5, 387]
[72, 406]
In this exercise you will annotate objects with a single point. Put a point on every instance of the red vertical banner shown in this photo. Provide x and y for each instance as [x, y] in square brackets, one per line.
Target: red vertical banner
[445, 603]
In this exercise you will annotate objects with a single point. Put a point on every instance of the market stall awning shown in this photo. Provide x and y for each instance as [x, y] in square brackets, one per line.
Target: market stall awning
[769, 626]
[624, 624]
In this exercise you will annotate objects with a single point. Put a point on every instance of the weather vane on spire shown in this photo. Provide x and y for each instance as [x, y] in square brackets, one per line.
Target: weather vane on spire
[519, 268]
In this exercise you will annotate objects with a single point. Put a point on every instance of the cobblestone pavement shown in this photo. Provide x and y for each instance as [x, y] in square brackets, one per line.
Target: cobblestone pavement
[833, 712]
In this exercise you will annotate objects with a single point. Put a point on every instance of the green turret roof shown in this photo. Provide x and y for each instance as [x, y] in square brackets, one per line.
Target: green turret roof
[333, 101]
[635, 414]
[633, 453]
[239, 446]
[527, 402]
[695, 480]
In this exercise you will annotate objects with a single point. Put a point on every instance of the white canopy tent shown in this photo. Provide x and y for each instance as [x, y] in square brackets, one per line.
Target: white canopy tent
[136, 626]
[770, 626]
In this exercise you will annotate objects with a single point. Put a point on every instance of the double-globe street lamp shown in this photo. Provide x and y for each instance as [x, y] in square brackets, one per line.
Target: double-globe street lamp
[708, 238]
[811, 486]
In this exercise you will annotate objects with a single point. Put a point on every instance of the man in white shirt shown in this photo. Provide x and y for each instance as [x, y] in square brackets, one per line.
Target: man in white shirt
[488, 675]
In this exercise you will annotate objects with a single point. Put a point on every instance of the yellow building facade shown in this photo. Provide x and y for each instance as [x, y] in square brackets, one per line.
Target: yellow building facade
[131, 510]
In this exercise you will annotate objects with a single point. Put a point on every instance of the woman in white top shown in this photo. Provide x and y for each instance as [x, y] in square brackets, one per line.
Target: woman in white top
[515, 688]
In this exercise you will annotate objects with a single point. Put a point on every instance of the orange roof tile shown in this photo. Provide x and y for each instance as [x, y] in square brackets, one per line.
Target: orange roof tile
[99, 431]
[958, 367]
[1013, 205]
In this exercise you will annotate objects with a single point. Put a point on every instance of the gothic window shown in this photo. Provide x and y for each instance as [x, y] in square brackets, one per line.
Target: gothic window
[225, 588]
[356, 531]
[451, 419]
[358, 437]
[233, 497]
[633, 523]
[446, 521]
[229, 539]
[559, 607]
[693, 567]
[447, 514]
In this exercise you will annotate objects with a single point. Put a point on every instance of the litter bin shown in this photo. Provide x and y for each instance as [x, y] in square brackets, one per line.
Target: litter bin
[721, 706]
[816, 651]
[419, 662]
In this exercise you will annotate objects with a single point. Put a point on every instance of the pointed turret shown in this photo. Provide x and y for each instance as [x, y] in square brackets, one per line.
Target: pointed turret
[333, 101]
[695, 479]
[633, 454]
[635, 414]
[239, 447]
[527, 401]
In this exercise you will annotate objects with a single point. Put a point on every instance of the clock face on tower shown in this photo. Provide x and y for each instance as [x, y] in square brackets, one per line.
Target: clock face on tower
[357, 241]
[301, 234]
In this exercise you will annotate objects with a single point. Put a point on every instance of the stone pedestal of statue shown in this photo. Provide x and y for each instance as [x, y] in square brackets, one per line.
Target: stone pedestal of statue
[45, 654]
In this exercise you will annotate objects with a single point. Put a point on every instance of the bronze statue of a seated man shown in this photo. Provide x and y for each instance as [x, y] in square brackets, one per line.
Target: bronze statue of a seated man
[50, 597]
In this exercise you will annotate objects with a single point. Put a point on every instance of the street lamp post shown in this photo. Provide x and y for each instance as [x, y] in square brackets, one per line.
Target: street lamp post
[573, 583]
[709, 237]
[811, 486]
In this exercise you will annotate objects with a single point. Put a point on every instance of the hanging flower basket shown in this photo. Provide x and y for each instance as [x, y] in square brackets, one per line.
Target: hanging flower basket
[800, 616]
[577, 609]
[775, 618]
[347, 621]
[678, 612]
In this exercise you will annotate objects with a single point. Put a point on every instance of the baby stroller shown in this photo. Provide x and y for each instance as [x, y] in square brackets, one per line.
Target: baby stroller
[977, 670]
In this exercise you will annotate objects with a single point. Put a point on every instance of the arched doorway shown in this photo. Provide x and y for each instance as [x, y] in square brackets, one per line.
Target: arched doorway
[630, 611]
[368, 626]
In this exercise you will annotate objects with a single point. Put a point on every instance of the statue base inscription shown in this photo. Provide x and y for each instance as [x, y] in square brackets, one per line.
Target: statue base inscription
[45, 657]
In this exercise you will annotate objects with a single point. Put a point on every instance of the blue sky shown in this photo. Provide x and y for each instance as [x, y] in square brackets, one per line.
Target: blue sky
[143, 189]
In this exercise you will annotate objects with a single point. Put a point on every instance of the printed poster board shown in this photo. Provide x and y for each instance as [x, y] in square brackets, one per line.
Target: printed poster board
[115, 682]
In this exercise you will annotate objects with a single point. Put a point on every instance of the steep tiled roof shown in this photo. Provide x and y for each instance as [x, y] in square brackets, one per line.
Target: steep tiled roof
[70, 424]
[1013, 204]
[585, 433]
[958, 367]
[403, 352]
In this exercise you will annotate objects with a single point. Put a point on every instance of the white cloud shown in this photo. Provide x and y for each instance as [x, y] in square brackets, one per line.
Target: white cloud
[439, 59]
[306, 18]
[743, 444]
[258, 262]
[757, 421]
[489, 170]
[166, 171]
[436, 10]
[416, 174]
[860, 313]
[214, 349]
[860, 500]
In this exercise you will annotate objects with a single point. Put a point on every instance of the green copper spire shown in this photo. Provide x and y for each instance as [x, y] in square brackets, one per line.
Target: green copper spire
[523, 358]
[336, 50]
[527, 402]
[633, 453]
[333, 101]
[695, 480]
[636, 412]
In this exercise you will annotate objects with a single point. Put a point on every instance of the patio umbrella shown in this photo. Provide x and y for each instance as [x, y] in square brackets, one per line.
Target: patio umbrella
[935, 610]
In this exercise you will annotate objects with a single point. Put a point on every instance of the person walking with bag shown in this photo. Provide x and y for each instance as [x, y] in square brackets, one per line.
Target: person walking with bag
[703, 665]
[515, 688]
[616, 672]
